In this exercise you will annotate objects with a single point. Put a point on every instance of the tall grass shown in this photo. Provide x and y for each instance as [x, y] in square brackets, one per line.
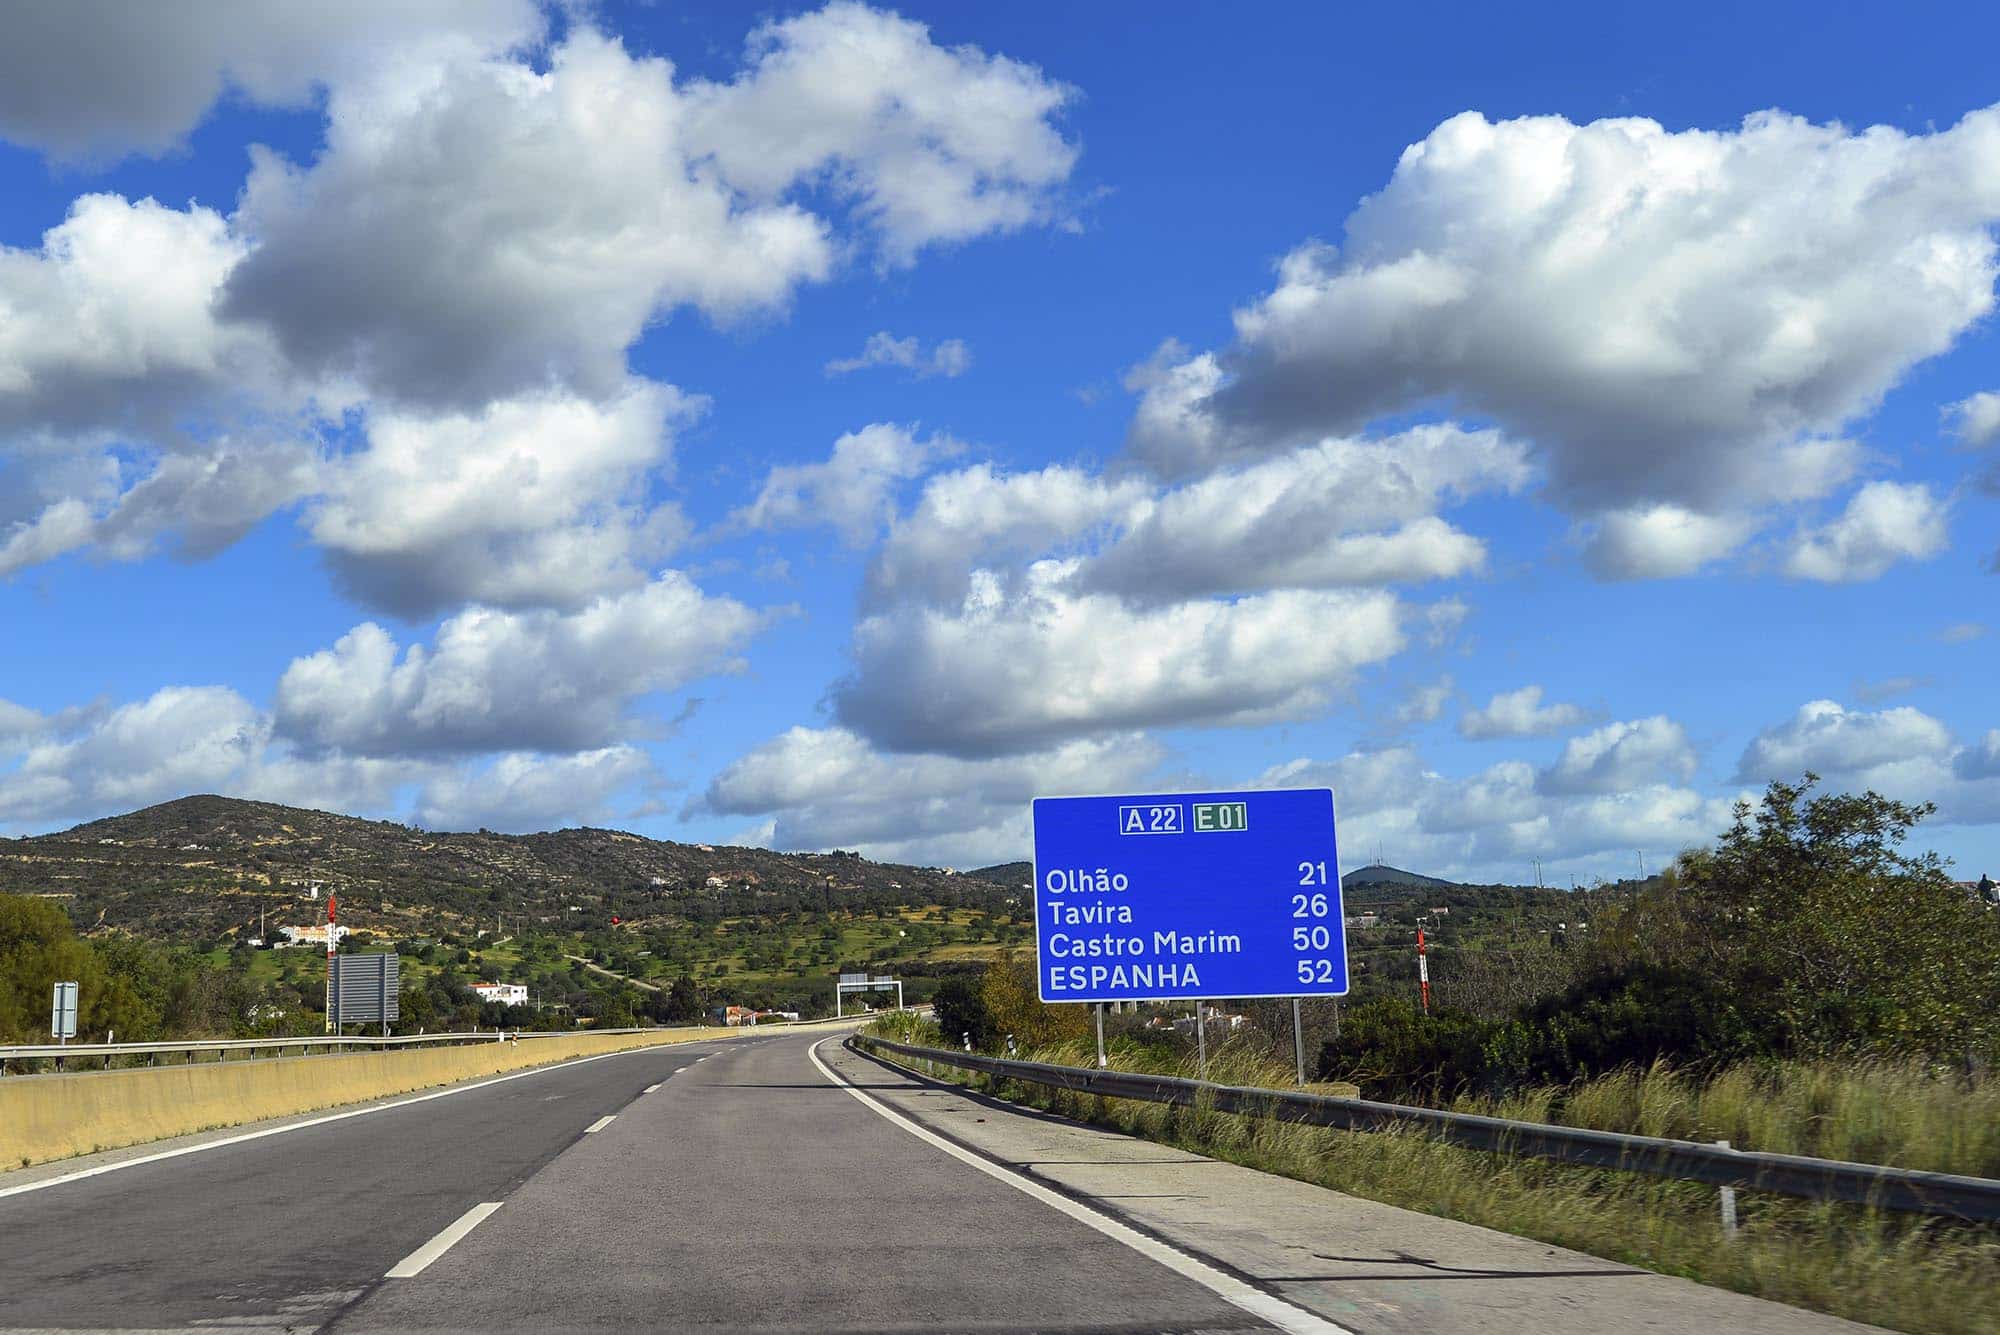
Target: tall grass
[1908, 1273]
[1905, 1114]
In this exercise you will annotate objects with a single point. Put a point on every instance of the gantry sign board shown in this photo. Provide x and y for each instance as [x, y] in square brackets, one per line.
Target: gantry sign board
[1188, 895]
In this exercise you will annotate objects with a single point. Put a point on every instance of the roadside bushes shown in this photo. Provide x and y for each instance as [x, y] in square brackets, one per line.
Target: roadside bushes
[1803, 933]
[961, 1012]
[1805, 912]
[1392, 1050]
[1612, 1018]
[1002, 1001]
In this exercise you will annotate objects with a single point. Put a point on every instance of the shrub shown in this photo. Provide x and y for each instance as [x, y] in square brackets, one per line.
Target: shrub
[960, 1010]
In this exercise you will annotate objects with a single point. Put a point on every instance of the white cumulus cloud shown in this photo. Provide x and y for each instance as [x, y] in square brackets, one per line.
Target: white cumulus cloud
[1662, 541]
[854, 491]
[533, 501]
[1339, 512]
[950, 358]
[1621, 758]
[1519, 714]
[1841, 743]
[99, 78]
[829, 788]
[500, 681]
[1676, 319]
[180, 740]
[930, 144]
[521, 793]
[1976, 420]
[1012, 671]
[1884, 523]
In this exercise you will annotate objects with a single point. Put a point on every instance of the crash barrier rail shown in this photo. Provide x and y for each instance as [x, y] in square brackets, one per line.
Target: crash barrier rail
[1903, 1189]
[53, 1055]
[223, 1047]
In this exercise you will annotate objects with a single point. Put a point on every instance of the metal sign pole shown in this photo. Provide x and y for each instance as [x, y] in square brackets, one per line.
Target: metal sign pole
[1101, 1062]
[1299, 1041]
[1200, 1039]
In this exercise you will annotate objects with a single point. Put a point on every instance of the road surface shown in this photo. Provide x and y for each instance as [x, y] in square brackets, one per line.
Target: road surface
[769, 1184]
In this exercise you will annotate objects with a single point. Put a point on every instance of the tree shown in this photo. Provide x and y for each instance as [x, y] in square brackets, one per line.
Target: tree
[961, 1011]
[1014, 1007]
[38, 949]
[1807, 912]
[683, 1002]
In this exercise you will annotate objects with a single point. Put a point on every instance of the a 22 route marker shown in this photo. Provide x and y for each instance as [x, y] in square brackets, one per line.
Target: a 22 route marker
[1188, 895]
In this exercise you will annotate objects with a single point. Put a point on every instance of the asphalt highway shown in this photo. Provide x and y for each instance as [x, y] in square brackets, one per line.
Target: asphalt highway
[744, 1192]
[777, 1184]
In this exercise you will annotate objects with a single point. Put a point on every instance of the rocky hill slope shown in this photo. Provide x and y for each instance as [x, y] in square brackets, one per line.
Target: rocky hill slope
[205, 868]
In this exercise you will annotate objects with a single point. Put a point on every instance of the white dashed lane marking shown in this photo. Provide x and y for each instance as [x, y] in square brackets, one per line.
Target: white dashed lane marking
[414, 1263]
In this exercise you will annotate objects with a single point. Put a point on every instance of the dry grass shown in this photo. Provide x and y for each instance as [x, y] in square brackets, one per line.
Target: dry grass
[1905, 1114]
[1907, 1273]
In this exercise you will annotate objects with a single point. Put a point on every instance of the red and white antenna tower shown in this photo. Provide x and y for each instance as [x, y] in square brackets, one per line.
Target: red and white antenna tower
[330, 1000]
[1423, 967]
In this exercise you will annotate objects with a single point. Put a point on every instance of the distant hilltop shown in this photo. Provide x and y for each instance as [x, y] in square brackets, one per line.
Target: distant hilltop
[1378, 874]
[202, 866]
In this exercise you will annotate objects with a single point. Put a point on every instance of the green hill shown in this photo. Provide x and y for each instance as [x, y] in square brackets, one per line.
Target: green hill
[1379, 875]
[203, 868]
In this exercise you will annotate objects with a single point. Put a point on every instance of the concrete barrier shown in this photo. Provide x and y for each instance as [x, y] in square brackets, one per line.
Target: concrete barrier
[46, 1117]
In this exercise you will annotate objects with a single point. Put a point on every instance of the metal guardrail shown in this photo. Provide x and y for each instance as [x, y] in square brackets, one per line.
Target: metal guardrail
[224, 1046]
[1903, 1189]
[56, 1052]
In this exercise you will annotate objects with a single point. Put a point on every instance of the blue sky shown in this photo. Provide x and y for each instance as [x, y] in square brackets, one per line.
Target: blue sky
[834, 426]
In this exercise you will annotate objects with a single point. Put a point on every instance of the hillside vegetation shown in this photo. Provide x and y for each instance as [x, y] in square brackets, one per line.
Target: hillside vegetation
[201, 869]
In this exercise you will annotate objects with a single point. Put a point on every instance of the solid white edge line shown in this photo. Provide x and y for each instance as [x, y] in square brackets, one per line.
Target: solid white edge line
[83, 1173]
[600, 1123]
[1285, 1316]
[414, 1264]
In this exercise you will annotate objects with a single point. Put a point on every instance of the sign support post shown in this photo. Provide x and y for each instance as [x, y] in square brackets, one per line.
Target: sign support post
[1101, 1061]
[1299, 1041]
[1200, 1038]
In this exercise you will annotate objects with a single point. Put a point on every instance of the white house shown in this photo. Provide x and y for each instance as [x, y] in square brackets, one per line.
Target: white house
[507, 994]
[314, 935]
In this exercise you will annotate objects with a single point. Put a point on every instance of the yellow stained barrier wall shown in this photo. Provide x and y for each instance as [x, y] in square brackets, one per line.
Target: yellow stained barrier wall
[44, 1117]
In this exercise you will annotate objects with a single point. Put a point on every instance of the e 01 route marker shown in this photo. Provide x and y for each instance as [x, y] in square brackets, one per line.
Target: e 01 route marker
[1188, 895]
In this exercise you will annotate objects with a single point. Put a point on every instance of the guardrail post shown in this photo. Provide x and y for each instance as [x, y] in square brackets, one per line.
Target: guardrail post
[1728, 1204]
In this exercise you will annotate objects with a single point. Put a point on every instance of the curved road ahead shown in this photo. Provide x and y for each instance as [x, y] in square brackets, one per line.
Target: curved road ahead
[770, 1184]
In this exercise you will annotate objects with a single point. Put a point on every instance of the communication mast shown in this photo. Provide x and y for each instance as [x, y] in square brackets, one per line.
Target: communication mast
[331, 1003]
[1423, 965]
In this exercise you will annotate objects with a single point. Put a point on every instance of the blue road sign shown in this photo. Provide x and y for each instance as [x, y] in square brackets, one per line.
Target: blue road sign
[1188, 895]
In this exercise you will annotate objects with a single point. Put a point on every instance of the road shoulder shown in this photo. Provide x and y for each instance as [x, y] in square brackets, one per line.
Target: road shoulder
[1367, 1266]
